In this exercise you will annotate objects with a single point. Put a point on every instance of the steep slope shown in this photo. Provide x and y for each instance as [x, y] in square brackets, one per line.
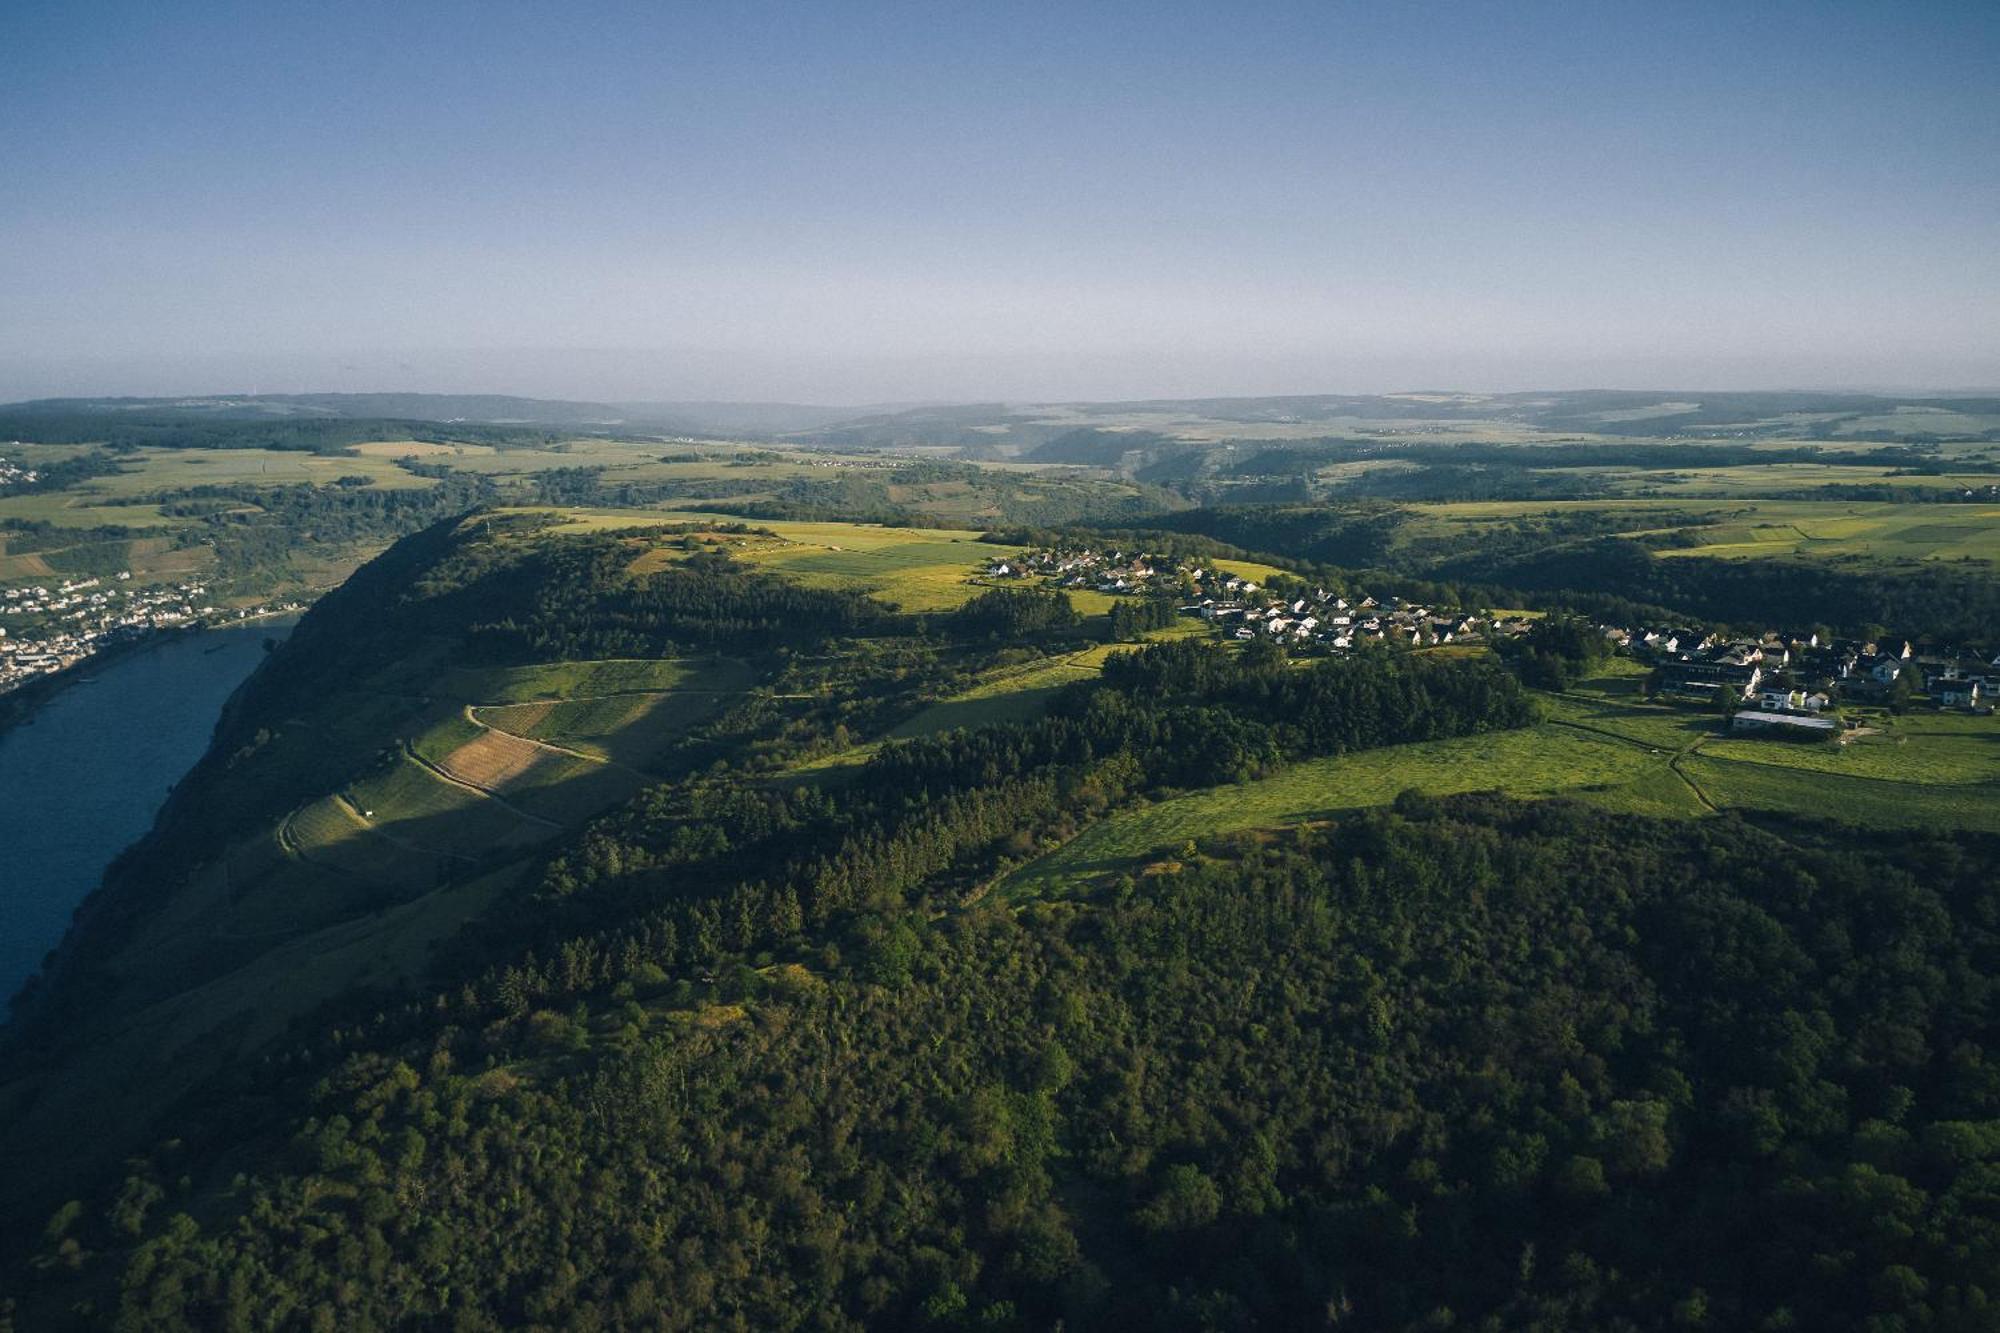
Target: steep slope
[351, 796]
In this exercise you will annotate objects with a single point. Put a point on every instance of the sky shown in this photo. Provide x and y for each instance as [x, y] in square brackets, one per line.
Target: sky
[871, 203]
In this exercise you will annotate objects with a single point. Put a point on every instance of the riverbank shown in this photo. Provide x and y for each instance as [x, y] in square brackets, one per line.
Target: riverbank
[18, 706]
[88, 780]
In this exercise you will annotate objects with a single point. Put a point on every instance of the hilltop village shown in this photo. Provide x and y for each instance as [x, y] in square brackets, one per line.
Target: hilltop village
[1774, 682]
[58, 627]
[1241, 608]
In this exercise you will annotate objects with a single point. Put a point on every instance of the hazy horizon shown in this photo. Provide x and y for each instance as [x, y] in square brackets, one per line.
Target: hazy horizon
[142, 384]
[869, 203]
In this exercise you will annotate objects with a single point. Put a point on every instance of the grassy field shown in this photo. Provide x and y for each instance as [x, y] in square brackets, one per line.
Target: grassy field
[33, 558]
[1767, 529]
[1600, 743]
[591, 679]
[1883, 531]
[1538, 761]
[1927, 750]
[67, 509]
[917, 569]
[1856, 800]
[427, 451]
[1010, 694]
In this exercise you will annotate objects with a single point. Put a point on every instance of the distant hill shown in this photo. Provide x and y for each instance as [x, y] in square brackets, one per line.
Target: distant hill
[493, 408]
[1043, 431]
[1054, 431]
[756, 419]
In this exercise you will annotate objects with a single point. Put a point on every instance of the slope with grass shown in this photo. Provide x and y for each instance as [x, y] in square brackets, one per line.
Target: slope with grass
[1601, 743]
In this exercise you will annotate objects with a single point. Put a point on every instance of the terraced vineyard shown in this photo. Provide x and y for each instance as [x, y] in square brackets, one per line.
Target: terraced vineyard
[627, 729]
[414, 806]
[588, 679]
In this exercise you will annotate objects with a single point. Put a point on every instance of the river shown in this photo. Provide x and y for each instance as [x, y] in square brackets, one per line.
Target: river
[84, 778]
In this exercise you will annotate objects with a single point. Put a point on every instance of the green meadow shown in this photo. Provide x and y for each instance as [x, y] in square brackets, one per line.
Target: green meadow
[1752, 528]
[1600, 743]
[1538, 761]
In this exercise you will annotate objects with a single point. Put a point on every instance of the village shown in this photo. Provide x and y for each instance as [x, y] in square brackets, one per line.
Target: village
[77, 618]
[1773, 683]
[13, 474]
[1310, 619]
[1776, 683]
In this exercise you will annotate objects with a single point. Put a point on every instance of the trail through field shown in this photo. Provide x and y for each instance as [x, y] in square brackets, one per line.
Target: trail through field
[1685, 776]
[1673, 762]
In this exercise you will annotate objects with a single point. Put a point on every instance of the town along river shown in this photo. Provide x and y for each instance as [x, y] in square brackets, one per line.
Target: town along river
[83, 776]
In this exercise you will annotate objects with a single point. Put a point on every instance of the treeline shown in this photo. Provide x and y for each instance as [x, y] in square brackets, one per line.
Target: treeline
[577, 600]
[1556, 651]
[68, 472]
[1890, 493]
[256, 529]
[1936, 600]
[1165, 539]
[1014, 614]
[1649, 457]
[1133, 618]
[1371, 535]
[1578, 561]
[319, 435]
[1469, 1063]
[973, 497]
[1453, 483]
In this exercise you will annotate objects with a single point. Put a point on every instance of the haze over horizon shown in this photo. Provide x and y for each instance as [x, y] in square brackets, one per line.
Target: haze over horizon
[865, 203]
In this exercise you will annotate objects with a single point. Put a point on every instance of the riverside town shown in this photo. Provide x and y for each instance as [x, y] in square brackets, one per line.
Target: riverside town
[44, 630]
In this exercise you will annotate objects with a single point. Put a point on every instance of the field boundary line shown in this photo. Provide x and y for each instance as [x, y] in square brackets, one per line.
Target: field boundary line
[1685, 776]
[477, 790]
[375, 830]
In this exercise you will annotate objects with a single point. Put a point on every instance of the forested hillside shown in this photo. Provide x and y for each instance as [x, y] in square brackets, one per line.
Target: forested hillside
[1478, 1062]
[727, 1036]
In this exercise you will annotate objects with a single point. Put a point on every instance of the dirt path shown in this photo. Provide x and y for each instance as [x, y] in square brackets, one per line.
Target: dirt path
[1673, 762]
[472, 716]
[375, 830]
[475, 789]
[1682, 774]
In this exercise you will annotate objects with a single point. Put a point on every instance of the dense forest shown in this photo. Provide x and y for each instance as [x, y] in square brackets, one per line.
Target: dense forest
[1464, 1063]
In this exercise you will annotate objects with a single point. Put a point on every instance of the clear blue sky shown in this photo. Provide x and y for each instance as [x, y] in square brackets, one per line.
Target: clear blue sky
[869, 202]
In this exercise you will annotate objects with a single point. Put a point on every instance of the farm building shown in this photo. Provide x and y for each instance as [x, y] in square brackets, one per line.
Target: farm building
[1757, 723]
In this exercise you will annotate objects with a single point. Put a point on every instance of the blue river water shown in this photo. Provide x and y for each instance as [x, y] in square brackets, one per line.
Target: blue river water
[85, 776]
